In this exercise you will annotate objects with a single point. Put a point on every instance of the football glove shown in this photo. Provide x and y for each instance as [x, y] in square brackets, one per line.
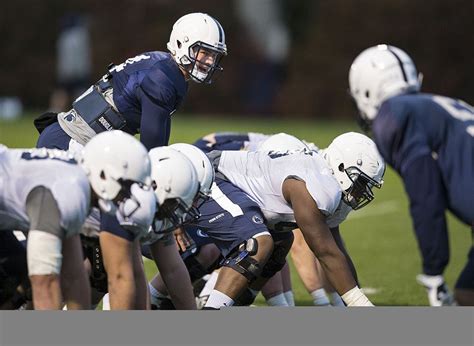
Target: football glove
[437, 290]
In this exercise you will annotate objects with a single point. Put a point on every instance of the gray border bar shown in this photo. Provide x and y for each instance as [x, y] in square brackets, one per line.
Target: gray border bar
[242, 326]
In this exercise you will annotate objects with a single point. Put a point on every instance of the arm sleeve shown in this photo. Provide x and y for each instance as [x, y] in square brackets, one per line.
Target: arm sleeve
[43, 212]
[223, 137]
[223, 141]
[110, 224]
[398, 135]
[399, 138]
[158, 101]
[428, 201]
[155, 124]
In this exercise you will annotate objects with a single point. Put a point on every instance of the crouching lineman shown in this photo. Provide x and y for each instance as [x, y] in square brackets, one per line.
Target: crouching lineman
[205, 177]
[175, 187]
[49, 196]
[306, 263]
[287, 190]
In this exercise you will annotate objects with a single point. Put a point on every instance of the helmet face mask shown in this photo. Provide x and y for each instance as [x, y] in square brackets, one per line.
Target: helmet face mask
[197, 44]
[360, 193]
[357, 166]
[113, 161]
[127, 200]
[174, 213]
[204, 62]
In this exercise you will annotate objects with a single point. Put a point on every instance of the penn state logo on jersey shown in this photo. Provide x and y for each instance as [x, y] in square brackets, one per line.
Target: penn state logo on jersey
[202, 234]
[70, 116]
[257, 219]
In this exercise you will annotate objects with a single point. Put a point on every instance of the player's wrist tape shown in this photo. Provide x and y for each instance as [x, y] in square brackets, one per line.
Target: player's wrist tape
[355, 297]
[44, 253]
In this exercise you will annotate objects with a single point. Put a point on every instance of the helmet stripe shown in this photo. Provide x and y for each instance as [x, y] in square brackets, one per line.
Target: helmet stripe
[221, 31]
[400, 63]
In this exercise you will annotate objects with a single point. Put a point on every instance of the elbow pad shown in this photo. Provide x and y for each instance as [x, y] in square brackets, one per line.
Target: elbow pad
[44, 253]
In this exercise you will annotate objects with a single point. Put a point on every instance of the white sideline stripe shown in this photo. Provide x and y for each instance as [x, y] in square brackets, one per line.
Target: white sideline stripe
[224, 201]
[387, 207]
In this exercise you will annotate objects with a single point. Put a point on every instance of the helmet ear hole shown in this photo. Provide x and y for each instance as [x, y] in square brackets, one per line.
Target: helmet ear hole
[341, 167]
[102, 175]
[178, 43]
[367, 94]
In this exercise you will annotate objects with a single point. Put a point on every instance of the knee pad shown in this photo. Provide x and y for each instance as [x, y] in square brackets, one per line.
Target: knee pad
[240, 260]
[44, 253]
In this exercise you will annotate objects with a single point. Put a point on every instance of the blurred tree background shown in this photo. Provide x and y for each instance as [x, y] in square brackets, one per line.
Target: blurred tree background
[324, 36]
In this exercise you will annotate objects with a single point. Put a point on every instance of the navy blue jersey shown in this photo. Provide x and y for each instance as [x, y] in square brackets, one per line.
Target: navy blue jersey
[147, 90]
[223, 141]
[429, 140]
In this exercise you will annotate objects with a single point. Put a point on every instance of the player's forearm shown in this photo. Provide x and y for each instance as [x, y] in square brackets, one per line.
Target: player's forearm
[179, 288]
[173, 273]
[332, 260]
[340, 244]
[337, 271]
[122, 293]
[46, 292]
[74, 278]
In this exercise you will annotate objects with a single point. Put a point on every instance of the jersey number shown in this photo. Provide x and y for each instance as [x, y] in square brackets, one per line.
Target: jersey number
[48, 154]
[458, 109]
[276, 154]
[130, 61]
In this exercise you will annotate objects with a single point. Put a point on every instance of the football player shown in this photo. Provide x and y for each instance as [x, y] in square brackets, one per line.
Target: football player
[48, 194]
[282, 189]
[175, 187]
[158, 289]
[137, 96]
[429, 140]
[307, 265]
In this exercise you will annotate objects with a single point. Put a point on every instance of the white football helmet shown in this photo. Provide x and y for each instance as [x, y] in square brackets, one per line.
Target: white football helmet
[176, 186]
[197, 44]
[282, 142]
[379, 73]
[357, 166]
[204, 169]
[113, 161]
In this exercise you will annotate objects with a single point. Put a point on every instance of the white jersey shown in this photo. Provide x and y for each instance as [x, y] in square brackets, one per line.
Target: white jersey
[256, 140]
[261, 176]
[21, 170]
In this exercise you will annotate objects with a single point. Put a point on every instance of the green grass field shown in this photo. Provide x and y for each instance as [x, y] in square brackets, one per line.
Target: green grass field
[379, 237]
